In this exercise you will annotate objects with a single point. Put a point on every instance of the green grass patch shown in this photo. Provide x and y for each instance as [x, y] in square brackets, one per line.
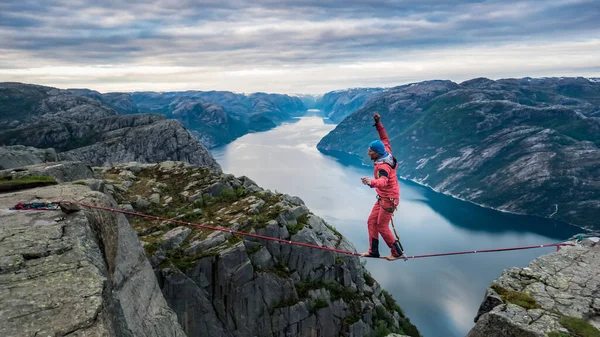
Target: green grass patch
[305, 286]
[270, 199]
[384, 320]
[559, 334]
[335, 231]
[286, 303]
[7, 184]
[293, 229]
[280, 270]
[228, 196]
[151, 248]
[191, 216]
[271, 213]
[351, 319]
[579, 327]
[515, 297]
[303, 219]
[381, 328]
[234, 239]
[369, 280]
[337, 291]
[391, 304]
[407, 328]
[317, 304]
[254, 249]
[259, 221]
[184, 262]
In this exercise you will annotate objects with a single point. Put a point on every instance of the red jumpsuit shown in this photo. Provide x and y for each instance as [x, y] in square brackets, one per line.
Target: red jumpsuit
[388, 191]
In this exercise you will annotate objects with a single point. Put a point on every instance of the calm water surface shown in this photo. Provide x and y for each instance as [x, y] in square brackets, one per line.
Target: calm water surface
[440, 295]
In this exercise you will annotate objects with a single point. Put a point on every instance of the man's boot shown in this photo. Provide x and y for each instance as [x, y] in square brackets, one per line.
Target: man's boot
[397, 252]
[374, 251]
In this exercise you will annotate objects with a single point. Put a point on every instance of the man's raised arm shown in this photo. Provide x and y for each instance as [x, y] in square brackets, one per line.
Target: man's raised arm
[382, 134]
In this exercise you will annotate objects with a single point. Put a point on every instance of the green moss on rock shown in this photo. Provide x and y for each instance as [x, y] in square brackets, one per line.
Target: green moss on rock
[515, 297]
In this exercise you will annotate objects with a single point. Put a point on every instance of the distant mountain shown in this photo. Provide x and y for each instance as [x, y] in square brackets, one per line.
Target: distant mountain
[119, 101]
[337, 105]
[22, 104]
[527, 146]
[207, 121]
[215, 117]
[83, 128]
[309, 101]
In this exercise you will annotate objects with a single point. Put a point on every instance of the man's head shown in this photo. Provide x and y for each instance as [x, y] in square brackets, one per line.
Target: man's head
[376, 150]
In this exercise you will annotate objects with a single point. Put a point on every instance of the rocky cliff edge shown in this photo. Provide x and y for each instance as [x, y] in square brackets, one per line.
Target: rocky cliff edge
[557, 295]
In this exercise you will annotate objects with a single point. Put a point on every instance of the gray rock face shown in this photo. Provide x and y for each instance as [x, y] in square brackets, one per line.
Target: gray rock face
[337, 105]
[557, 287]
[209, 122]
[25, 104]
[61, 171]
[160, 141]
[175, 237]
[218, 188]
[239, 286]
[83, 129]
[213, 240]
[527, 146]
[236, 292]
[83, 275]
[250, 185]
[18, 156]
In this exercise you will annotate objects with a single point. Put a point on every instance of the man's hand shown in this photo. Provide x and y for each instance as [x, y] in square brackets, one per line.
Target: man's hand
[376, 117]
[366, 180]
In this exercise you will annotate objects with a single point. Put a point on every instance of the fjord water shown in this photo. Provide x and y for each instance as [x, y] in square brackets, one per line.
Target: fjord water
[440, 295]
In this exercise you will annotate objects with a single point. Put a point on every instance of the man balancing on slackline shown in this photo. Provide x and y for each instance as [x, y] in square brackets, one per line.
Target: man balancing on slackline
[388, 194]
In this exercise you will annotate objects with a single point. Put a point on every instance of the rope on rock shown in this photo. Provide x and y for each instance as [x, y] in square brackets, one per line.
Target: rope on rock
[54, 206]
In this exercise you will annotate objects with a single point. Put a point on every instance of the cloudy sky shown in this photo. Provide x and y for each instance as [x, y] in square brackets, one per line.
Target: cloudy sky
[297, 46]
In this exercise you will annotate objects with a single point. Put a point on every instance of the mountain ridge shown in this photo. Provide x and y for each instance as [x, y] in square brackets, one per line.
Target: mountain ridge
[496, 143]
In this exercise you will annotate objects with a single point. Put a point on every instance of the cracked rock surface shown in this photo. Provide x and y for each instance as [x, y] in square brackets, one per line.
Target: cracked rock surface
[75, 274]
[563, 284]
[222, 284]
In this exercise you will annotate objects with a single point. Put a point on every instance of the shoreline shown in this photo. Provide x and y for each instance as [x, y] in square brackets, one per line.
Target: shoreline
[353, 160]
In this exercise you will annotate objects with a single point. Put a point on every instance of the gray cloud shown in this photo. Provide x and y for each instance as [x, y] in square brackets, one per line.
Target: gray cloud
[234, 34]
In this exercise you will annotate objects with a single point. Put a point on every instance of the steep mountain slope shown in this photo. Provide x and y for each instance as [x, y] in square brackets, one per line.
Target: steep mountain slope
[218, 117]
[221, 284]
[81, 128]
[338, 104]
[517, 145]
[215, 117]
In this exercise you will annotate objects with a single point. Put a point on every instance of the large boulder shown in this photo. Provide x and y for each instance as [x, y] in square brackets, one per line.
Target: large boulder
[19, 155]
[83, 273]
[62, 171]
[557, 293]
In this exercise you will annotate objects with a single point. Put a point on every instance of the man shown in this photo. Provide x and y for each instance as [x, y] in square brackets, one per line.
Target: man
[388, 193]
